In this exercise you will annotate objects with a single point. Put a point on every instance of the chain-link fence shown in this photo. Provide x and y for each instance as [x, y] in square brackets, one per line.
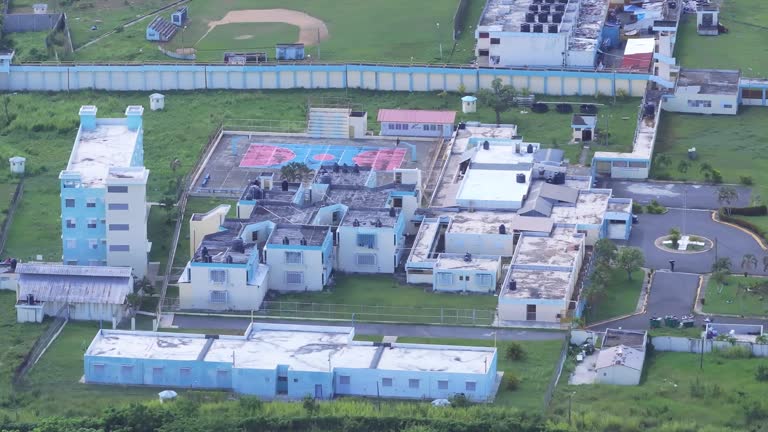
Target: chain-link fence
[33, 355]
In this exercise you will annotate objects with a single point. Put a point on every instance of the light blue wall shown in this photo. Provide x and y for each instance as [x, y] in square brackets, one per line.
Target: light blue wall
[81, 213]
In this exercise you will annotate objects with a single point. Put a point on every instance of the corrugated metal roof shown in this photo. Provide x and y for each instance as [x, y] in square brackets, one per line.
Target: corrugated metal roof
[72, 270]
[536, 205]
[532, 224]
[416, 116]
[620, 355]
[559, 193]
[75, 289]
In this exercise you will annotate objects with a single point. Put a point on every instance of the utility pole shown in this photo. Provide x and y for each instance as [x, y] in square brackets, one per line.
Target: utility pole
[715, 249]
[439, 41]
[701, 357]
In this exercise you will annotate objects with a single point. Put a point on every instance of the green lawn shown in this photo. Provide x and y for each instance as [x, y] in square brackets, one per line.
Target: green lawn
[734, 299]
[246, 38]
[52, 385]
[746, 135]
[391, 31]
[29, 47]
[620, 298]
[106, 15]
[381, 298]
[688, 332]
[669, 397]
[743, 47]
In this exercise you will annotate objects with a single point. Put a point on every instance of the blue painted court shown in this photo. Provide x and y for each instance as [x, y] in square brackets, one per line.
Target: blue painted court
[275, 156]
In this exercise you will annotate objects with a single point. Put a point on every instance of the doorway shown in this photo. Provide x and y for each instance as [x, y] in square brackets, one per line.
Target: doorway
[586, 135]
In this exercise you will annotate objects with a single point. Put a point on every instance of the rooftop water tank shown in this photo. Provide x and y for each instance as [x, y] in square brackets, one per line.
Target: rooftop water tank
[520, 178]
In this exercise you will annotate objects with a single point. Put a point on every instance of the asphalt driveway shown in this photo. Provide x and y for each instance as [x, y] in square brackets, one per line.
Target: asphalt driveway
[731, 242]
[696, 196]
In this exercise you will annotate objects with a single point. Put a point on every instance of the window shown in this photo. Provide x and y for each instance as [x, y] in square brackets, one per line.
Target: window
[495, 41]
[445, 278]
[466, 278]
[530, 312]
[185, 373]
[405, 127]
[118, 227]
[98, 369]
[69, 202]
[366, 259]
[119, 248]
[293, 258]
[255, 236]
[126, 371]
[470, 386]
[442, 385]
[294, 278]
[91, 223]
[413, 383]
[218, 297]
[727, 106]
[386, 382]
[157, 375]
[117, 189]
[484, 35]
[483, 53]
[93, 243]
[217, 276]
[397, 202]
[391, 126]
[71, 243]
[461, 278]
[71, 223]
[366, 240]
[118, 206]
[485, 280]
[695, 103]
[344, 379]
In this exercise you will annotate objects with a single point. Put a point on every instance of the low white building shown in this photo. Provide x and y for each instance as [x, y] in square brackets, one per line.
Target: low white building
[467, 273]
[621, 358]
[705, 91]
[80, 292]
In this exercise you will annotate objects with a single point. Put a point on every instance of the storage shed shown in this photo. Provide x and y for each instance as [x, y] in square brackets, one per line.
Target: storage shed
[583, 126]
[156, 102]
[621, 359]
[88, 293]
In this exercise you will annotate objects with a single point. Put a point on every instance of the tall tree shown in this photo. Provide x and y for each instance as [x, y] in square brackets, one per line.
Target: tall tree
[500, 98]
[748, 261]
[630, 259]
[674, 235]
[605, 251]
[295, 172]
[727, 195]
[722, 264]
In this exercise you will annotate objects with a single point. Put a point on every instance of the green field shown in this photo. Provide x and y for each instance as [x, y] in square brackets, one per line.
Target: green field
[675, 395]
[744, 155]
[743, 47]
[29, 47]
[620, 297]
[392, 31]
[106, 15]
[246, 38]
[734, 299]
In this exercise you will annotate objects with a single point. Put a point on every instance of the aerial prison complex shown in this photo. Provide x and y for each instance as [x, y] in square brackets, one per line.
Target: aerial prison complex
[502, 216]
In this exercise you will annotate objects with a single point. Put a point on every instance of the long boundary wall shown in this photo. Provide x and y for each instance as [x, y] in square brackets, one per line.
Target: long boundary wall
[164, 77]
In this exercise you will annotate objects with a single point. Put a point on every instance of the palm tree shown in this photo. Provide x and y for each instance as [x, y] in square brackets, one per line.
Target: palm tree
[175, 164]
[295, 172]
[722, 264]
[727, 195]
[748, 261]
[674, 235]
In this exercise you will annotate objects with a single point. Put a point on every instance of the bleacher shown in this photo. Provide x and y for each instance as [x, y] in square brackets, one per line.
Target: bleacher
[328, 122]
[163, 28]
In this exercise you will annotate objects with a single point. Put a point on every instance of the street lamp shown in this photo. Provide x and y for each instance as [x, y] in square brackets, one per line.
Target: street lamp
[439, 41]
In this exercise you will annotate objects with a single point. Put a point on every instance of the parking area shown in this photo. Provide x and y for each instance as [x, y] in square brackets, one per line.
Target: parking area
[678, 195]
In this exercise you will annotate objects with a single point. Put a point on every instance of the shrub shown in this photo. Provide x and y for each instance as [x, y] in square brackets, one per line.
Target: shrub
[637, 208]
[716, 176]
[515, 352]
[746, 180]
[742, 223]
[760, 210]
[761, 374]
[512, 381]
[663, 176]
[460, 400]
[539, 108]
[735, 352]
[655, 208]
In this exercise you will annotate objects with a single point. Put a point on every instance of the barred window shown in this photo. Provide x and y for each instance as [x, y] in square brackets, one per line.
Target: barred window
[366, 240]
[294, 277]
[484, 280]
[293, 258]
[218, 297]
[366, 259]
[217, 276]
[442, 385]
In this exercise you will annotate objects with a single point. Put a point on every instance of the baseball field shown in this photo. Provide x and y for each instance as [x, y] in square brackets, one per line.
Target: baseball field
[332, 30]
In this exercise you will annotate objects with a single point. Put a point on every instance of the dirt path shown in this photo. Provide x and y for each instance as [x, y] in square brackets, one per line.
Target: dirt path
[309, 27]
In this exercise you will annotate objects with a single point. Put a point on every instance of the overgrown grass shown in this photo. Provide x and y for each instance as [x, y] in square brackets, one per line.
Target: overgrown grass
[29, 46]
[687, 332]
[734, 298]
[15, 341]
[106, 15]
[743, 47]
[747, 134]
[674, 391]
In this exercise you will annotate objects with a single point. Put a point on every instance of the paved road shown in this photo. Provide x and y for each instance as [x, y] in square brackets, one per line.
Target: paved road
[671, 294]
[404, 330]
[731, 242]
[697, 196]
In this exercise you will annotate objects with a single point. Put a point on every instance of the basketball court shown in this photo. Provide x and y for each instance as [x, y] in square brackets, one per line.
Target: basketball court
[275, 156]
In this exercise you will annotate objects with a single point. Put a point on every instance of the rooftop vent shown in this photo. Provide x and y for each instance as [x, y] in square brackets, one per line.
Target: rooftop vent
[303, 241]
[378, 223]
[486, 145]
[392, 212]
[286, 240]
[520, 178]
[502, 229]
[356, 169]
[512, 285]
[229, 259]
[468, 257]
[238, 245]
[355, 223]
[284, 186]
[204, 252]
[529, 149]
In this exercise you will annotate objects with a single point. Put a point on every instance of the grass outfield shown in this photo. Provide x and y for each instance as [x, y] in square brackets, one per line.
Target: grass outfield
[244, 37]
[733, 299]
[44, 127]
[674, 392]
[746, 135]
[743, 47]
[391, 31]
[620, 298]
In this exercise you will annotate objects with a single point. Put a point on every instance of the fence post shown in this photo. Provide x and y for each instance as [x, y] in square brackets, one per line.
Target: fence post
[441, 315]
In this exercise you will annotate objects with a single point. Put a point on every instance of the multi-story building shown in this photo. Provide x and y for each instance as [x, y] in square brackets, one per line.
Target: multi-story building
[103, 193]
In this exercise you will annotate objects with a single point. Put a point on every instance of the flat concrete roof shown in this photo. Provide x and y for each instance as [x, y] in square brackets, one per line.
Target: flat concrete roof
[368, 217]
[547, 251]
[314, 235]
[619, 207]
[110, 144]
[710, 81]
[538, 284]
[504, 154]
[589, 209]
[450, 359]
[493, 186]
[480, 222]
[477, 262]
[146, 345]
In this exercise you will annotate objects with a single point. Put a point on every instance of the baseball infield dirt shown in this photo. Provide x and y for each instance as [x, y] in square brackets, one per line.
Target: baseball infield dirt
[310, 28]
